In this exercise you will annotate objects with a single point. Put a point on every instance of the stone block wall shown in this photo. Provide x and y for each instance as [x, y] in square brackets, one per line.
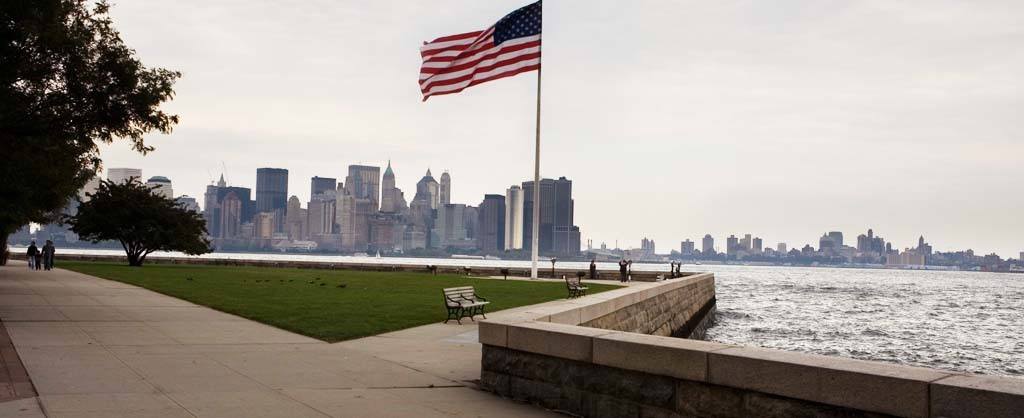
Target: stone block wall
[545, 357]
[590, 390]
[677, 312]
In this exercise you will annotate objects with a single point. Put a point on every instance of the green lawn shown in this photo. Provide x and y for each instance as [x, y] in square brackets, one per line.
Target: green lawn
[330, 305]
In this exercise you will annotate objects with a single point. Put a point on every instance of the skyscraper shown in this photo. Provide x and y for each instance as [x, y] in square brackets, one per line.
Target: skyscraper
[427, 191]
[364, 183]
[231, 216]
[746, 242]
[296, 222]
[707, 246]
[272, 197]
[161, 185]
[388, 192]
[781, 248]
[491, 236]
[757, 245]
[450, 227]
[271, 189]
[732, 244]
[120, 175]
[558, 235]
[514, 218]
[446, 188]
[320, 185]
[837, 239]
[686, 247]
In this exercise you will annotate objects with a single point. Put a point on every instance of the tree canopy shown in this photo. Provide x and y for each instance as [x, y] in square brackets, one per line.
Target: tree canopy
[67, 83]
[142, 221]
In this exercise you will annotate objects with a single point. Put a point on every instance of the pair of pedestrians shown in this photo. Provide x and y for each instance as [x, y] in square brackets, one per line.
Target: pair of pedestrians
[40, 258]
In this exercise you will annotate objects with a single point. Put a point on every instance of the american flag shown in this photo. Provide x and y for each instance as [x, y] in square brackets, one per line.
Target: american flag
[453, 63]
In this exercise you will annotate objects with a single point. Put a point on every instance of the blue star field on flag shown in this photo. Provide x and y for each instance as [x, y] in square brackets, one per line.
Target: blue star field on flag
[526, 21]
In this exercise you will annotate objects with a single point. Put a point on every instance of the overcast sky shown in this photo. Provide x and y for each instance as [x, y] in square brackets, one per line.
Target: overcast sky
[783, 119]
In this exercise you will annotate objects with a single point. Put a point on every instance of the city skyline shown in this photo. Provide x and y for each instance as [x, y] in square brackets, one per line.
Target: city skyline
[762, 140]
[361, 175]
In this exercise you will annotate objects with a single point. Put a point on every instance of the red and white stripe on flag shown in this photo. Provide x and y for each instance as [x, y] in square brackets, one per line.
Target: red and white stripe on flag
[453, 63]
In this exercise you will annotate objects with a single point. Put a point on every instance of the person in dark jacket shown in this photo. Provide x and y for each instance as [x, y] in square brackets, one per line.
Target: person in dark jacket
[48, 251]
[622, 270]
[31, 255]
[593, 269]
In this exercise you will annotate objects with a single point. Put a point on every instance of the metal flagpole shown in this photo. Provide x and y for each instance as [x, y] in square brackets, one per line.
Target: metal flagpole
[536, 180]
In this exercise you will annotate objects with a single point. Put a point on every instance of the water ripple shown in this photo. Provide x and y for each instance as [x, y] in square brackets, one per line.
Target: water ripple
[960, 321]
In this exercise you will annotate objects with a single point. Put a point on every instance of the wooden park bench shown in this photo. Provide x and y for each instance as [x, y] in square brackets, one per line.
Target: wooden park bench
[462, 302]
[576, 289]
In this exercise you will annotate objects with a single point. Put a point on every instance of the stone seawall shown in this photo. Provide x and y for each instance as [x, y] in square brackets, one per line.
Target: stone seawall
[677, 312]
[545, 357]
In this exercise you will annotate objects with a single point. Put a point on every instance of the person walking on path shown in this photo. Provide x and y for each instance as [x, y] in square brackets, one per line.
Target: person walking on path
[629, 276]
[593, 269]
[31, 255]
[622, 270]
[39, 259]
[48, 251]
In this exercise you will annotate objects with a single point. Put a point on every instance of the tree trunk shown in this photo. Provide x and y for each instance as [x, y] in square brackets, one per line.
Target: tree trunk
[3, 248]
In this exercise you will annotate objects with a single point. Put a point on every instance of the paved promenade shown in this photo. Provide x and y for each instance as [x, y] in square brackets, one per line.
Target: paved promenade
[99, 348]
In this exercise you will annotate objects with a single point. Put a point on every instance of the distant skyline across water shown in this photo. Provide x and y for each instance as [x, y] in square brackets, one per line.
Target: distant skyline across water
[691, 119]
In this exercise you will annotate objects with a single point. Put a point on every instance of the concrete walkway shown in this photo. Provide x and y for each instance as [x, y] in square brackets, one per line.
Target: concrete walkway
[99, 348]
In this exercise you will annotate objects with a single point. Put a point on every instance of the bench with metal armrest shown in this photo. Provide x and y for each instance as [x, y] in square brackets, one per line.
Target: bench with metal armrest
[463, 302]
[575, 287]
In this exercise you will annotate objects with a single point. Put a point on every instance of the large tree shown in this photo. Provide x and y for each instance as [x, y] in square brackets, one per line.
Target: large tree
[67, 83]
[142, 221]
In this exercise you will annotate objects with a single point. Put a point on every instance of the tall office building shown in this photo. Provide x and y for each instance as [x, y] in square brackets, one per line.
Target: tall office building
[450, 227]
[826, 245]
[272, 197]
[120, 175]
[445, 188]
[271, 189]
[514, 218]
[354, 213]
[746, 243]
[321, 214]
[427, 191]
[558, 235]
[837, 239]
[756, 245]
[686, 247]
[296, 221]
[389, 193]
[230, 216]
[364, 183]
[707, 246]
[782, 248]
[320, 185]
[491, 234]
[161, 185]
[732, 244]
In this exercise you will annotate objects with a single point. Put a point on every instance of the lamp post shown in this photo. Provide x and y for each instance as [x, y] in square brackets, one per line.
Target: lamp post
[553, 260]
